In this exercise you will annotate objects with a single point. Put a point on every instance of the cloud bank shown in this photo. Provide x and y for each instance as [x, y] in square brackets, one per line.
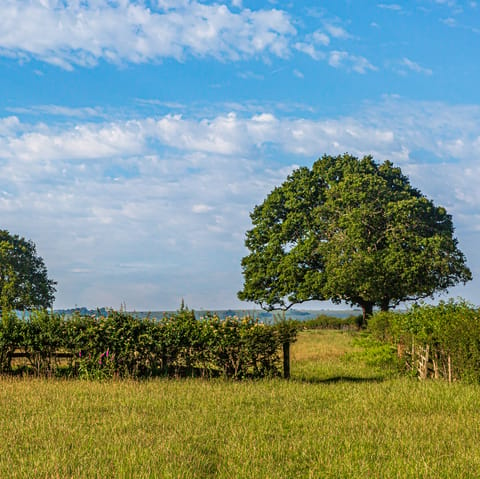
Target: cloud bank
[69, 33]
[157, 207]
[74, 32]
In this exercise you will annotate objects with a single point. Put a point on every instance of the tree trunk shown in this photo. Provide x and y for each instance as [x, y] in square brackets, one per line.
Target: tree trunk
[367, 311]
[385, 305]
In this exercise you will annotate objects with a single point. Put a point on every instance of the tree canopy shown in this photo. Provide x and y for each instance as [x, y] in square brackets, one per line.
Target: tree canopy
[352, 230]
[24, 283]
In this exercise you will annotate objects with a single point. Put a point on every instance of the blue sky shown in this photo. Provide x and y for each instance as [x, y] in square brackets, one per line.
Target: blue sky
[136, 136]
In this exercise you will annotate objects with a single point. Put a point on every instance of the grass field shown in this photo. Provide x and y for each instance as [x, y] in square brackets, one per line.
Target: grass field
[336, 418]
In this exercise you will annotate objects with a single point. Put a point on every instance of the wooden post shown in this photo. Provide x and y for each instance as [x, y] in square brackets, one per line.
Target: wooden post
[413, 355]
[449, 369]
[286, 360]
[435, 366]
[423, 362]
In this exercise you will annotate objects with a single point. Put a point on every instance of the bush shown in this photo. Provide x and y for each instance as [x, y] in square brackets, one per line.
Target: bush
[437, 341]
[324, 321]
[10, 339]
[42, 336]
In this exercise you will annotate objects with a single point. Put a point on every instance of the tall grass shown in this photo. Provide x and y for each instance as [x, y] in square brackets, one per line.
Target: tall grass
[336, 418]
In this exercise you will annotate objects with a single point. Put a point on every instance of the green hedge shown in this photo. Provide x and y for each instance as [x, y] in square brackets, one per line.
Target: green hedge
[441, 341]
[123, 345]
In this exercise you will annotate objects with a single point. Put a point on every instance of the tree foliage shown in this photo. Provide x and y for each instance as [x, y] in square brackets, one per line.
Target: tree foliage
[349, 229]
[24, 283]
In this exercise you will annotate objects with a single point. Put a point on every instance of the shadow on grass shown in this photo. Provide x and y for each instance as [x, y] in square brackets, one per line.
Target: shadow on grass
[340, 379]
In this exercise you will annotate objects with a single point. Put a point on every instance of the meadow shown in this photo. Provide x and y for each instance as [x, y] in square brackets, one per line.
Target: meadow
[337, 417]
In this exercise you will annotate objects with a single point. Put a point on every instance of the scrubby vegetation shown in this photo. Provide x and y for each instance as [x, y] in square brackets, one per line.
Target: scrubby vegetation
[325, 321]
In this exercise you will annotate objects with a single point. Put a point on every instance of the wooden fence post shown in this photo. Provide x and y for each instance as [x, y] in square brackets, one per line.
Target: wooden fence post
[286, 359]
[435, 362]
[423, 362]
[449, 369]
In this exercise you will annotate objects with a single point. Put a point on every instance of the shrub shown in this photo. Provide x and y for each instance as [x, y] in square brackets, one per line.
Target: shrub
[324, 321]
[438, 341]
[42, 336]
[10, 338]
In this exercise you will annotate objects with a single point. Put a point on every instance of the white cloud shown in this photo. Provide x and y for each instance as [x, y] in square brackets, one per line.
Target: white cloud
[80, 142]
[70, 33]
[451, 22]
[320, 38]
[310, 49]
[9, 125]
[222, 134]
[358, 64]
[67, 33]
[318, 46]
[451, 134]
[449, 3]
[249, 75]
[454, 23]
[336, 31]
[410, 65]
[390, 6]
[228, 135]
[58, 110]
[336, 58]
[201, 208]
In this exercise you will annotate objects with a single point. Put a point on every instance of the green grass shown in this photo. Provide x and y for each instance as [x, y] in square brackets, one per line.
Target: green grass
[336, 418]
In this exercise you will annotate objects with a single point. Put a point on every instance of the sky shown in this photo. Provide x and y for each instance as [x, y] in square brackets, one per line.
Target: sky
[137, 136]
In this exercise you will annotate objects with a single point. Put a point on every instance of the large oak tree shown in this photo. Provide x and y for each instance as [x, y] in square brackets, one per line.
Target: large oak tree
[349, 229]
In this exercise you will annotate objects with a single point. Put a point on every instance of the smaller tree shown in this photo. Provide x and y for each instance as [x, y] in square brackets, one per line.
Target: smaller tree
[24, 283]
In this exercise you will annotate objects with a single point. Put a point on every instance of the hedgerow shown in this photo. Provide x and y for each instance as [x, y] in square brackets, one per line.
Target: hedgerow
[441, 341]
[120, 344]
